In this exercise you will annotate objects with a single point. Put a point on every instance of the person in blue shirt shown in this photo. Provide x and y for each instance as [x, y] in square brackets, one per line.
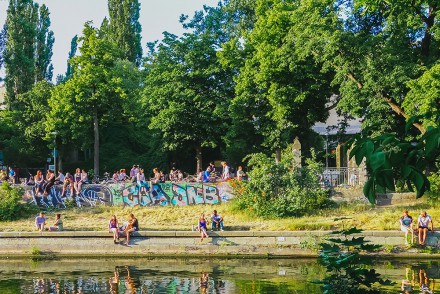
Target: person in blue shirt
[11, 175]
[406, 225]
[207, 174]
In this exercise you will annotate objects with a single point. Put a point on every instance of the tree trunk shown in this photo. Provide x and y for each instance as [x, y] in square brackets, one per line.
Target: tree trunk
[199, 159]
[278, 155]
[96, 143]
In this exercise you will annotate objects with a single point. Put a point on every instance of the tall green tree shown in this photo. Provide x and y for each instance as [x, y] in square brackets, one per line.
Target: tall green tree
[285, 94]
[94, 95]
[29, 43]
[124, 28]
[44, 45]
[186, 91]
[2, 45]
[375, 48]
[21, 20]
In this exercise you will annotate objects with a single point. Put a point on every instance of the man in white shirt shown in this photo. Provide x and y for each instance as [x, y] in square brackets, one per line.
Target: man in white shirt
[422, 223]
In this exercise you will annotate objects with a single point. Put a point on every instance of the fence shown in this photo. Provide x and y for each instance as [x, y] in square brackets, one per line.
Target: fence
[343, 176]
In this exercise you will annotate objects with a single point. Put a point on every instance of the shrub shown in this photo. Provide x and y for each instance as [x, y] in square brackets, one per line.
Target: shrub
[280, 190]
[11, 206]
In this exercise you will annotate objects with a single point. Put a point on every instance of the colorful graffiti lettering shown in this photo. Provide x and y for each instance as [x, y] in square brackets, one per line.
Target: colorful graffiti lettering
[127, 194]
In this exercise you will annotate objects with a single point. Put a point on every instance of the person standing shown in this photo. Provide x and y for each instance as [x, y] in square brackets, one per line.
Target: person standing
[423, 222]
[226, 173]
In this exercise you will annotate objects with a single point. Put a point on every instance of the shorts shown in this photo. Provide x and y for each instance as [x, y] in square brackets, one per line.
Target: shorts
[406, 229]
[423, 227]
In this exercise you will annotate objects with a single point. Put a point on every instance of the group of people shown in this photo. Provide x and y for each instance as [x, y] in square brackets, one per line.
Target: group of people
[73, 183]
[216, 221]
[424, 225]
[132, 225]
[40, 222]
[7, 175]
[210, 175]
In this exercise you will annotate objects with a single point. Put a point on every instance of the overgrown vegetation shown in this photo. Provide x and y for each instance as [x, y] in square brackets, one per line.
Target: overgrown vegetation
[11, 205]
[281, 189]
[346, 268]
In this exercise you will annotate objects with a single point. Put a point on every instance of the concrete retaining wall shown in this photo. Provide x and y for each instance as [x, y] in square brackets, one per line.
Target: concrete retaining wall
[170, 243]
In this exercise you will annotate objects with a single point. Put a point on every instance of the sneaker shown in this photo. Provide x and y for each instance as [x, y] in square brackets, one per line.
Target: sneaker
[221, 230]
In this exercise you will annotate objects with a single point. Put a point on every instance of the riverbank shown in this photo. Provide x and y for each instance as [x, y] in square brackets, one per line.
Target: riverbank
[180, 243]
[354, 214]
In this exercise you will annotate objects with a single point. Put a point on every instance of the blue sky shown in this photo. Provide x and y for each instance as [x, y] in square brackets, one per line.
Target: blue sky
[69, 16]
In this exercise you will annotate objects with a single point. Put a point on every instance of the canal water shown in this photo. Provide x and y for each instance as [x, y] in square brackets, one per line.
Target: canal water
[200, 275]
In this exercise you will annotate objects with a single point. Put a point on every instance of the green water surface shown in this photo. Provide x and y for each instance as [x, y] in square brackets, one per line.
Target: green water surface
[199, 275]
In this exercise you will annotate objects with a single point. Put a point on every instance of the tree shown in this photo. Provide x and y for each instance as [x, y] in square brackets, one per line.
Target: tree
[124, 28]
[278, 93]
[29, 45]
[186, 91]
[94, 95]
[44, 45]
[21, 20]
[2, 46]
[375, 49]
[72, 53]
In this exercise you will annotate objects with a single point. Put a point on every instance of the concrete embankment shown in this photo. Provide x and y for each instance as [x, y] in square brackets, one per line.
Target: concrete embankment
[183, 243]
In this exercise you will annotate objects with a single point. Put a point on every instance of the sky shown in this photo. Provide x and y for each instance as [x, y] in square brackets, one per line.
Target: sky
[68, 18]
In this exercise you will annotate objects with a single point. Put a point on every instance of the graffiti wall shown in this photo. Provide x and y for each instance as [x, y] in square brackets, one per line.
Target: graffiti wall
[124, 194]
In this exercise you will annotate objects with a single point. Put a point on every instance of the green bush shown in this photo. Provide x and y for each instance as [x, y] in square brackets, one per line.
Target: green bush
[280, 190]
[11, 203]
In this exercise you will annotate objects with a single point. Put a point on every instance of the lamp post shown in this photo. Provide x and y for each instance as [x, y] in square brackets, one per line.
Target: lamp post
[54, 152]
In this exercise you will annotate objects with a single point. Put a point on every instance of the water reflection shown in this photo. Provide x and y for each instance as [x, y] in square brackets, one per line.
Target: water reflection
[424, 284]
[195, 276]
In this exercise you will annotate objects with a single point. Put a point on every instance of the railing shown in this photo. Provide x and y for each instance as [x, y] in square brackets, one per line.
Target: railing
[343, 176]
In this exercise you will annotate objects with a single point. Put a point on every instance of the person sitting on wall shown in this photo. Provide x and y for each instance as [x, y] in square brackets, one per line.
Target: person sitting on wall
[113, 227]
[40, 221]
[11, 175]
[59, 180]
[406, 223]
[50, 181]
[3, 176]
[422, 223]
[200, 174]
[140, 181]
[68, 183]
[132, 226]
[217, 221]
[207, 174]
[39, 181]
[202, 227]
[122, 175]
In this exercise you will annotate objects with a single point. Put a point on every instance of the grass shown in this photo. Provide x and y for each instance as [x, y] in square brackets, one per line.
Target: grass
[363, 216]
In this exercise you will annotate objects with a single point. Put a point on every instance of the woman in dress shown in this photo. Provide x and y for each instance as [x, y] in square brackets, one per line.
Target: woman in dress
[202, 227]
